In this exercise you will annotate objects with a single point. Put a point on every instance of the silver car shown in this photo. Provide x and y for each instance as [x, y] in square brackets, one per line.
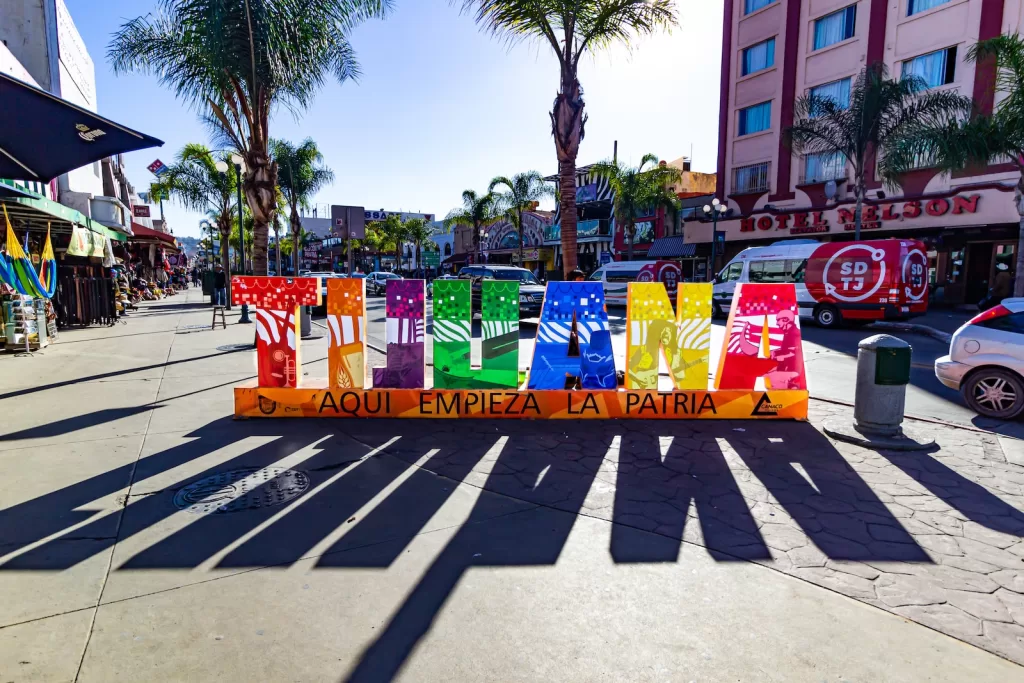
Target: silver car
[986, 361]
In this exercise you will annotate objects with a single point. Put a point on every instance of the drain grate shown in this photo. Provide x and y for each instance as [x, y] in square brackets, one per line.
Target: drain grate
[251, 488]
[236, 347]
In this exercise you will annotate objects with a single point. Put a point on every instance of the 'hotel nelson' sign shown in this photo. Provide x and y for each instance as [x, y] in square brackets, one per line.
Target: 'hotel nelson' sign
[874, 216]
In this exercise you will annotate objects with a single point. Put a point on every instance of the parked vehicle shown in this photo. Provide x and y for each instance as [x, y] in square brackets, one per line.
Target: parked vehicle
[836, 282]
[323, 289]
[531, 292]
[377, 282]
[986, 361]
[617, 275]
[430, 285]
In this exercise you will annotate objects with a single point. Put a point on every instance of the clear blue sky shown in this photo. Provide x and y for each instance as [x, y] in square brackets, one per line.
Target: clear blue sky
[442, 107]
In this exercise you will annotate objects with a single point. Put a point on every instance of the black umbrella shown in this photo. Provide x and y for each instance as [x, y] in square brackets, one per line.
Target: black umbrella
[43, 136]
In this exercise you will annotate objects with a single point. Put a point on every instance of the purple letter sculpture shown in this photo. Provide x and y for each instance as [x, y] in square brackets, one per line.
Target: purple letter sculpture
[405, 329]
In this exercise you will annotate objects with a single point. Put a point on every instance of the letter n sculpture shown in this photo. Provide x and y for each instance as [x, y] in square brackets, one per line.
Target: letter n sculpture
[277, 301]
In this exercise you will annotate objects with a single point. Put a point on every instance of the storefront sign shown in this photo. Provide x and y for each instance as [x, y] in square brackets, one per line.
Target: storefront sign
[873, 216]
[586, 193]
[140, 211]
[528, 255]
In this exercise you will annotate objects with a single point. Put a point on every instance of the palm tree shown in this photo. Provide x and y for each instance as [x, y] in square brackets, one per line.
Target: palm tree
[237, 62]
[301, 174]
[522, 191]
[638, 191]
[197, 184]
[393, 232]
[880, 113]
[571, 28]
[476, 212]
[984, 138]
[418, 232]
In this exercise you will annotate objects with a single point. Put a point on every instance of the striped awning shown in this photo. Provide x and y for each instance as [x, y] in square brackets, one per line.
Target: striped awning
[671, 247]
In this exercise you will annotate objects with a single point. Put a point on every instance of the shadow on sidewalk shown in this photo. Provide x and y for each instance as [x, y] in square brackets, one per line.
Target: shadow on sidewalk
[375, 485]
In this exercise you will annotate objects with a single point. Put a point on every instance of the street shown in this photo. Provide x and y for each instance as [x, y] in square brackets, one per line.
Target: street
[830, 356]
[149, 536]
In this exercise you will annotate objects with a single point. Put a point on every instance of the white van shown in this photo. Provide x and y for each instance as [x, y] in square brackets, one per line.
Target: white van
[616, 276]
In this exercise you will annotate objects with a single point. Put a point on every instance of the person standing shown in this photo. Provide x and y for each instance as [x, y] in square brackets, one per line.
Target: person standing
[220, 286]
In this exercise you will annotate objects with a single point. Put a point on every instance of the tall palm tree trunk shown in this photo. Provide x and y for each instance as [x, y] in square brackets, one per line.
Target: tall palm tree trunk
[296, 250]
[567, 120]
[277, 250]
[858, 192]
[259, 188]
[478, 253]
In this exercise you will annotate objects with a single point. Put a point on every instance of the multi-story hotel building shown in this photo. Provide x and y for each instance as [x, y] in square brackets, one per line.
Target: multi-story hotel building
[777, 50]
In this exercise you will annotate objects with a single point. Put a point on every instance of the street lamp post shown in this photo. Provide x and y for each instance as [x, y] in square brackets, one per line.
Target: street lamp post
[714, 209]
[239, 163]
[483, 236]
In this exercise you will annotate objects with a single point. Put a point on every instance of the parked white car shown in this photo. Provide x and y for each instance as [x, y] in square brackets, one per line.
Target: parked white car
[377, 282]
[986, 361]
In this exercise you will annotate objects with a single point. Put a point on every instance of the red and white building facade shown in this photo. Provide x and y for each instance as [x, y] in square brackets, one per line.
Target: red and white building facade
[777, 50]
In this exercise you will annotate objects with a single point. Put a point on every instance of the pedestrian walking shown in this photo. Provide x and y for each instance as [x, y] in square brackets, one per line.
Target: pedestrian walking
[220, 287]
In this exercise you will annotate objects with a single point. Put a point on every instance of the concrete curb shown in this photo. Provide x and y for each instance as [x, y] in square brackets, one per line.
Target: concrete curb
[941, 336]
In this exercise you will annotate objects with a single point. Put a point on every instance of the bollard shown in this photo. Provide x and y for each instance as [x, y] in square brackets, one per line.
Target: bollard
[305, 328]
[883, 372]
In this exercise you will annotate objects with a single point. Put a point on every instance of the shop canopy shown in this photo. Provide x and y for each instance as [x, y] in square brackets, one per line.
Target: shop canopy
[29, 211]
[44, 136]
[144, 235]
[671, 247]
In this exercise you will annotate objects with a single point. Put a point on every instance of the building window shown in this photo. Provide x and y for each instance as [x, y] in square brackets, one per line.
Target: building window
[758, 57]
[754, 5]
[755, 119]
[835, 28]
[935, 68]
[916, 6]
[747, 179]
[824, 166]
[837, 91]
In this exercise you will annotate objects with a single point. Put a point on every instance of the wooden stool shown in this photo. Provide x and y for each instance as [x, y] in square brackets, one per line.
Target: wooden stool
[223, 321]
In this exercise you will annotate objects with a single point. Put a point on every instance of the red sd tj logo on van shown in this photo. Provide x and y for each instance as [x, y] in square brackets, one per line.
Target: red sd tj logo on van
[915, 275]
[666, 272]
[847, 272]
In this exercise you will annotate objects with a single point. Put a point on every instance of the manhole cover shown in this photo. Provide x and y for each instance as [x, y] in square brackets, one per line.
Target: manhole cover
[236, 347]
[246, 489]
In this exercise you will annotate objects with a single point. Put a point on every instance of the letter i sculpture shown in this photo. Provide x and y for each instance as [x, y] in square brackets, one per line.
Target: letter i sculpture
[277, 301]
[404, 330]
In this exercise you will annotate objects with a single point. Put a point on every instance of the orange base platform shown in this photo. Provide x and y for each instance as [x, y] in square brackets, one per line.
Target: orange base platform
[314, 401]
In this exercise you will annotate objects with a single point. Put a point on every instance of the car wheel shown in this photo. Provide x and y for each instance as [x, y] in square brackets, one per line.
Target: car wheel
[716, 311]
[827, 316]
[994, 392]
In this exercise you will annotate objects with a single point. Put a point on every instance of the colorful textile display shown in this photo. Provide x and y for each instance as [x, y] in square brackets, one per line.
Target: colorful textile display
[17, 271]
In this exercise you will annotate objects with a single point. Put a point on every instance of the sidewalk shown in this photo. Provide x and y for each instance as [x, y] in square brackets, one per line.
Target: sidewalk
[938, 324]
[474, 550]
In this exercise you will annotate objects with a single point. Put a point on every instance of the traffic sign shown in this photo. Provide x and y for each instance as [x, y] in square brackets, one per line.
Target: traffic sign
[431, 258]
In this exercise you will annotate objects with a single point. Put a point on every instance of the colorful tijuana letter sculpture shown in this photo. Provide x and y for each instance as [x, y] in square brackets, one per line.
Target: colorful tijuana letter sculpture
[452, 329]
[405, 329]
[681, 337]
[574, 346]
[346, 325]
[277, 301]
[762, 340]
